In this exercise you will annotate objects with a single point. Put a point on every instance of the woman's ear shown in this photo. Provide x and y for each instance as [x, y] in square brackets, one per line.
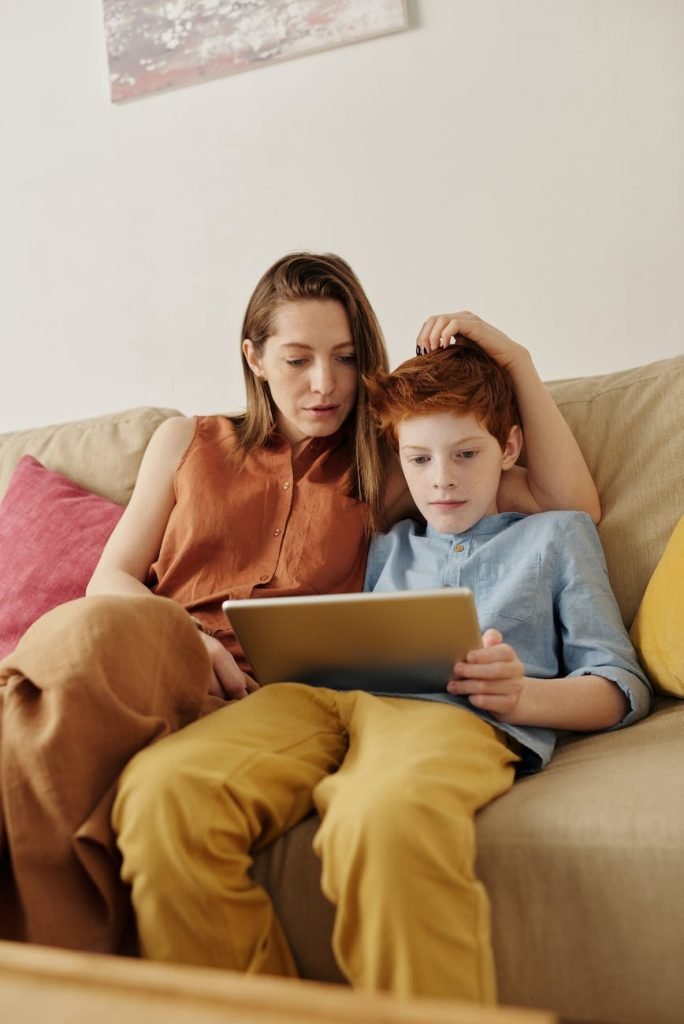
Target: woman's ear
[253, 359]
[511, 449]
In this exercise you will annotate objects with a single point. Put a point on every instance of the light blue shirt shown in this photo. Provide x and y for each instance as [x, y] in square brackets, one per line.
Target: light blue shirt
[542, 581]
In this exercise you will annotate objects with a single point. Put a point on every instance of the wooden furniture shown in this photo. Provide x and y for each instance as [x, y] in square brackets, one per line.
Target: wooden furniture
[59, 987]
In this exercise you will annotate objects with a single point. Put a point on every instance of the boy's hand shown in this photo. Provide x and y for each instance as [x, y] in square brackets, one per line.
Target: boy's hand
[438, 331]
[229, 681]
[491, 677]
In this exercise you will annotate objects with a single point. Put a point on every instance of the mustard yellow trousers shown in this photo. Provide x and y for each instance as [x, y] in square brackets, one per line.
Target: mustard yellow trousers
[396, 782]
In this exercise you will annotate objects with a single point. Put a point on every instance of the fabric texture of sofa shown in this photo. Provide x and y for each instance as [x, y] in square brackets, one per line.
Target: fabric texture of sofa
[582, 862]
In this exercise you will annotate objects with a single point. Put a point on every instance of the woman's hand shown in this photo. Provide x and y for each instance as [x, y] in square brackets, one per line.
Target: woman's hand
[438, 331]
[229, 681]
[491, 678]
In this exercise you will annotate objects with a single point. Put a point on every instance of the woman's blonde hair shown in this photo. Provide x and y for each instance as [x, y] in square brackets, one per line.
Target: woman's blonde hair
[299, 277]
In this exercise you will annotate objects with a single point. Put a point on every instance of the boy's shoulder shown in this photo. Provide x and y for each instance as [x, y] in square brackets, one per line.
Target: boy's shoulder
[561, 520]
[555, 530]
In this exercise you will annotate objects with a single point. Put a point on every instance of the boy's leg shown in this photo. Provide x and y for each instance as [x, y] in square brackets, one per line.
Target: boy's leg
[88, 685]
[190, 810]
[398, 849]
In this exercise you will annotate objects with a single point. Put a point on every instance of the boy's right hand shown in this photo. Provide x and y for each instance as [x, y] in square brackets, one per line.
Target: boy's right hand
[229, 681]
[491, 677]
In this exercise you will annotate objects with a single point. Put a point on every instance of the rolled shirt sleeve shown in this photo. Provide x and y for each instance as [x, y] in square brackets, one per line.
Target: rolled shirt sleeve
[593, 639]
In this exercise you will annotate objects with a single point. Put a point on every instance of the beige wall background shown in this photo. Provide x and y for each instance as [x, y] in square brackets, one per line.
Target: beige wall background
[520, 158]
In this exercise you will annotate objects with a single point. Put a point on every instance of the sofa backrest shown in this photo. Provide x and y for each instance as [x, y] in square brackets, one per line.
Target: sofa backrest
[101, 454]
[630, 427]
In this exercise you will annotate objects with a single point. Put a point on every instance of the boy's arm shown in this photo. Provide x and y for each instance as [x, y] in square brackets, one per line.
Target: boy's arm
[556, 476]
[493, 680]
[604, 685]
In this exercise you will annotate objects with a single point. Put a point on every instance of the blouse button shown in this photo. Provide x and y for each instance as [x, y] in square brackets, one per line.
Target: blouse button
[263, 578]
[276, 533]
[459, 548]
[286, 485]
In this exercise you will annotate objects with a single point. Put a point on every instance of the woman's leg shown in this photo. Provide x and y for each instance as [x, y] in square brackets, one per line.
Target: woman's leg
[88, 685]
[190, 810]
[398, 849]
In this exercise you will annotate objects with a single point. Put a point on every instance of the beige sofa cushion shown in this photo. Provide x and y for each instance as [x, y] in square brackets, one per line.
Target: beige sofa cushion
[100, 454]
[630, 427]
[583, 866]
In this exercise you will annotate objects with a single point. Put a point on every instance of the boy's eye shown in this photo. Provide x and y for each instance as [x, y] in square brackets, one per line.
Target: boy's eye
[469, 454]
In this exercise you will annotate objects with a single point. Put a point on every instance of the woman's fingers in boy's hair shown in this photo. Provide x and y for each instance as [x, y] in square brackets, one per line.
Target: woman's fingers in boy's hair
[438, 331]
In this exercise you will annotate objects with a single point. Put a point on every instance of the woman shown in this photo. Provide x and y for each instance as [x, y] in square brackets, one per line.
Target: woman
[278, 501]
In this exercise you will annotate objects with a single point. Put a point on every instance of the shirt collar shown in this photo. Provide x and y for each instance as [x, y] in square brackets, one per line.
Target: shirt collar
[485, 526]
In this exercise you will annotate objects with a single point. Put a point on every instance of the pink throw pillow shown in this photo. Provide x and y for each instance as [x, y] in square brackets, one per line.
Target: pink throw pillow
[52, 532]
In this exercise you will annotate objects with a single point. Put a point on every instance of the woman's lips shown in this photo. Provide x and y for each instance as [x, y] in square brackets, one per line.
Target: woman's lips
[322, 410]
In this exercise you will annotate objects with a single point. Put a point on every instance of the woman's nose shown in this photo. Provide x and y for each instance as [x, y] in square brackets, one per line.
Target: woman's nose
[322, 380]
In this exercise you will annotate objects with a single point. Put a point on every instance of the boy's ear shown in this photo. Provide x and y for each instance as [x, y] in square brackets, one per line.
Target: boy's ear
[511, 449]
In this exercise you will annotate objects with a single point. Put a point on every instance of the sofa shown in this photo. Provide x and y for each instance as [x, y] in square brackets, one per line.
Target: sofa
[583, 862]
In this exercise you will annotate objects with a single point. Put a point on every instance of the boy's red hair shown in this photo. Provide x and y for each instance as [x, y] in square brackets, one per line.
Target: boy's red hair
[461, 378]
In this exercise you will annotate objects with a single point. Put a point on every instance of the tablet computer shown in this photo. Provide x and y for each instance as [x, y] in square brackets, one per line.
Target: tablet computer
[403, 642]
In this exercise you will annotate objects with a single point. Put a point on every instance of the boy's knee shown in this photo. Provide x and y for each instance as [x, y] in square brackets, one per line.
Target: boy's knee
[158, 802]
[148, 783]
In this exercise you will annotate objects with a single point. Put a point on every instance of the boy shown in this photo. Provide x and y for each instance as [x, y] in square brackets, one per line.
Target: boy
[539, 580]
[396, 782]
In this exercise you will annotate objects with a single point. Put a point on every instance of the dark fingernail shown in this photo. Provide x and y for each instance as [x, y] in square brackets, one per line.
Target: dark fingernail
[417, 350]
[425, 351]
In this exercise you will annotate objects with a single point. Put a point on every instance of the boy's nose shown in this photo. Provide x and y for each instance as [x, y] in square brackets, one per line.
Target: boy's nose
[442, 482]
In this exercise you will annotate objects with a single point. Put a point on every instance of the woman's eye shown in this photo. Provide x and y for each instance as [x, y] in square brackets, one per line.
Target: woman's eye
[295, 362]
[348, 360]
[420, 460]
[470, 454]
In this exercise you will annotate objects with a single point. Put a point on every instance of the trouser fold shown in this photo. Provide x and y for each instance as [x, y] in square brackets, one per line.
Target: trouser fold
[88, 686]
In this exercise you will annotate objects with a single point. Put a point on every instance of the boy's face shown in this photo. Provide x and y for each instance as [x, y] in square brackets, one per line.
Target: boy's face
[453, 466]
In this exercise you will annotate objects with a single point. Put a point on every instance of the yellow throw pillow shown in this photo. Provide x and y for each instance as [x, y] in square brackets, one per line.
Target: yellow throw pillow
[658, 629]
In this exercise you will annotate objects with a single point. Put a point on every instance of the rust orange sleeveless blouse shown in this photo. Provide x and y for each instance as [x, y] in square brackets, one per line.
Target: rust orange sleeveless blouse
[269, 526]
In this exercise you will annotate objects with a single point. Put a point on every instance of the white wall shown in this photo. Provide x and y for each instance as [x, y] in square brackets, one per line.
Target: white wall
[520, 158]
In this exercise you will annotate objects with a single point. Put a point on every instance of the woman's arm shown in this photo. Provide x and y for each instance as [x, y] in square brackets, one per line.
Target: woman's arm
[556, 476]
[136, 540]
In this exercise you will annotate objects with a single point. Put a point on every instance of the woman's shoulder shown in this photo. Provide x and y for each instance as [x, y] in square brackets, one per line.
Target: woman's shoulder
[215, 430]
[178, 437]
[172, 437]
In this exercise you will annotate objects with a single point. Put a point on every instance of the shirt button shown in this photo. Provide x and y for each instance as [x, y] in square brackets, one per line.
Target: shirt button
[276, 533]
[459, 548]
[286, 485]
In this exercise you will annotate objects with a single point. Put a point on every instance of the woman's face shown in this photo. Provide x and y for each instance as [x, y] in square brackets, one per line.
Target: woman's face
[309, 363]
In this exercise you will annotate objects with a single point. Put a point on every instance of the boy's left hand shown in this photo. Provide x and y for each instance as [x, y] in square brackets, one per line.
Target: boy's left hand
[491, 677]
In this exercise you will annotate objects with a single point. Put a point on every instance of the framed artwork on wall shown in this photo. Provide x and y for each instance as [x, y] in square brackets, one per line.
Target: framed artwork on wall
[164, 44]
